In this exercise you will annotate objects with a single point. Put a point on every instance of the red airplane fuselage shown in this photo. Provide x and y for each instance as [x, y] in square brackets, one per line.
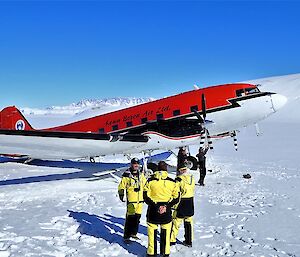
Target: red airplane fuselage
[173, 107]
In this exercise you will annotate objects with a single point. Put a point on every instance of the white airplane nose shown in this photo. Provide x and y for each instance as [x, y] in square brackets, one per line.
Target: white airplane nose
[278, 101]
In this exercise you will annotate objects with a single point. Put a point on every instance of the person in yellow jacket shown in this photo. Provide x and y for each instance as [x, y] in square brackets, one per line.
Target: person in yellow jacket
[160, 193]
[132, 183]
[184, 211]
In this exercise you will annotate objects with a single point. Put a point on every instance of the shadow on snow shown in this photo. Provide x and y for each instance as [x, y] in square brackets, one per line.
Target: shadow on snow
[109, 228]
[85, 169]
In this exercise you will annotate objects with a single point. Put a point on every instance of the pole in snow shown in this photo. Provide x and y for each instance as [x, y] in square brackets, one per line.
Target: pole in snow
[235, 140]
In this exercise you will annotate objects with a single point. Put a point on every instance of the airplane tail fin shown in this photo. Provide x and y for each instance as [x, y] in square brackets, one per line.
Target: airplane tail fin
[12, 119]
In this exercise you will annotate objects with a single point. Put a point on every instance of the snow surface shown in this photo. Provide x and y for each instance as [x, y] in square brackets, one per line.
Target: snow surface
[62, 211]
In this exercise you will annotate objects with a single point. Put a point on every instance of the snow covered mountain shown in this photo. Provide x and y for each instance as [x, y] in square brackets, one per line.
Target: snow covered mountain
[60, 115]
[86, 104]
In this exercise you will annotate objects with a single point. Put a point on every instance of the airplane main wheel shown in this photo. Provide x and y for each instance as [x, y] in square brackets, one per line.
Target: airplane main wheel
[152, 166]
[192, 163]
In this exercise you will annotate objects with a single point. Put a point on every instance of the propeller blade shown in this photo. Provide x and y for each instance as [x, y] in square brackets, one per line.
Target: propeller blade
[203, 137]
[211, 147]
[197, 114]
[204, 106]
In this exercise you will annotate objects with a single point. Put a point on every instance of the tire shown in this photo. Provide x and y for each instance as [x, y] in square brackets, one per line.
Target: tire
[192, 162]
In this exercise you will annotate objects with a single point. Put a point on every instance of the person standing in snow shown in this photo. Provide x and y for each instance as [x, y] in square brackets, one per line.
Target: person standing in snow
[160, 194]
[181, 157]
[184, 211]
[132, 182]
[202, 164]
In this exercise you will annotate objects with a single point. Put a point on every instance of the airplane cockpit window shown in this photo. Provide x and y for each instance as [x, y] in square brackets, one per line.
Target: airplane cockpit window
[247, 91]
[251, 90]
[240, 92]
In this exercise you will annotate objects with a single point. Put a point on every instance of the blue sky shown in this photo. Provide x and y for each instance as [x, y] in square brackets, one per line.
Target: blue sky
[55, 53]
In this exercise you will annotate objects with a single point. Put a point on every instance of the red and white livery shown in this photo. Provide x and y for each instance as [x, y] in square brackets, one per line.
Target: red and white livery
[162, 124]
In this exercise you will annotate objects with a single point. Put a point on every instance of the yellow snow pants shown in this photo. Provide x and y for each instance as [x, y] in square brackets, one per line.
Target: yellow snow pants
[165, 232]
[188, 228]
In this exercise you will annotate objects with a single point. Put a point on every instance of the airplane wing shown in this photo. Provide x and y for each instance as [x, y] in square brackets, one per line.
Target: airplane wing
[65, 145]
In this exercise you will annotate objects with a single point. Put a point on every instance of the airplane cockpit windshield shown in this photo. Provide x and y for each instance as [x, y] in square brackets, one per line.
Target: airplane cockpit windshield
[247, 91]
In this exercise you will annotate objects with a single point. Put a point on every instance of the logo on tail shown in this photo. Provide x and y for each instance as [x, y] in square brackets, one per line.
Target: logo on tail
[20, 125]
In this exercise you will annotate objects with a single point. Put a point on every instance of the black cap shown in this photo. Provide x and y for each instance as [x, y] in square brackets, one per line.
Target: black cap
[135, 160]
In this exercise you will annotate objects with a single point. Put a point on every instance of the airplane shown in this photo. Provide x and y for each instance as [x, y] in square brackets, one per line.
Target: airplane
[180, 120]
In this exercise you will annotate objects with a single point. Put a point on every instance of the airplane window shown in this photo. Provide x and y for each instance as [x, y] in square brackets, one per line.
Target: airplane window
[129, 124]
[240, 92]
[115, 127]
[144, 120]
[194, 108]
[252, 90]
[101, 131]
[176, 112]
[159, 116]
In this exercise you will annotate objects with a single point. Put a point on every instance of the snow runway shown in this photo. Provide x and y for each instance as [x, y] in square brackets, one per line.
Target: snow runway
[77, 217]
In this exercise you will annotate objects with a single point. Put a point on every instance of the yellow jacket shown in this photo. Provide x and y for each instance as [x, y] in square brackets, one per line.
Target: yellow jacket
[133, 185]
[160, 190]
[186, 185]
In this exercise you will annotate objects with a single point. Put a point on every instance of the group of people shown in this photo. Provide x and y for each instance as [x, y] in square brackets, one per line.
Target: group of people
[170, 203]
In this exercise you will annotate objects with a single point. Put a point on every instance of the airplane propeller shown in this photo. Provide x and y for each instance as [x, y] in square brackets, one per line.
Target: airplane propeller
[206, 134]
[203, 102]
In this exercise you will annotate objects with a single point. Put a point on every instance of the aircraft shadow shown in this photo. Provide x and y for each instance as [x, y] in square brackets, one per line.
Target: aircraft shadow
[109, 228]
[85, 170]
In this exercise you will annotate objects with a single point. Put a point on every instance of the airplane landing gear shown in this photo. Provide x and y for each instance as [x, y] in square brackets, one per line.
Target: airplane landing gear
[192, 162]
[189, 160]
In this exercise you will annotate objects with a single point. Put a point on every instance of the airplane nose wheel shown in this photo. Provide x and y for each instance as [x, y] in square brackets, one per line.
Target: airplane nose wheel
[192, 162]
